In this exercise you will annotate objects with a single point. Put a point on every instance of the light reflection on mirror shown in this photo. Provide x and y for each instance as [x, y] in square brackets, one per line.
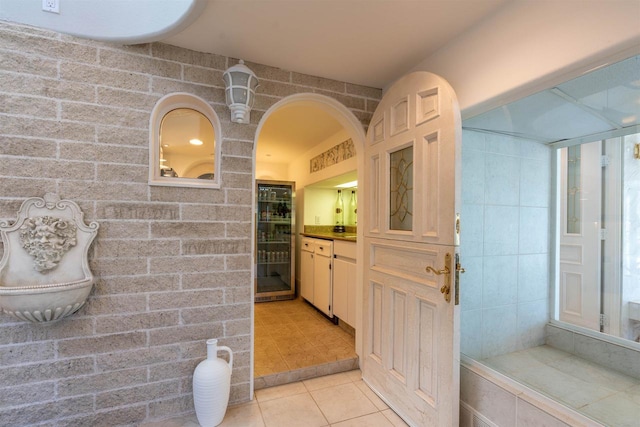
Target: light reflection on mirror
[187, 145]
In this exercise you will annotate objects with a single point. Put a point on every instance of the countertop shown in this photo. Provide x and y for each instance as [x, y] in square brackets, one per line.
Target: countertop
[348, 237]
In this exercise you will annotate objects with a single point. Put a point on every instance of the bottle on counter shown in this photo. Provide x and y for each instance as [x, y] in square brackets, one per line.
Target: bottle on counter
[352, 213]
[339, 214]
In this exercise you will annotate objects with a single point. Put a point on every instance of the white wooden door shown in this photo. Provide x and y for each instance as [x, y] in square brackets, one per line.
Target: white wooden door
[580, 223]
[410, 331]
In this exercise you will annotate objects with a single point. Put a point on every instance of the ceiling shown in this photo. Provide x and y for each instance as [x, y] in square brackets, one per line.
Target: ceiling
[603, 101]
[365, 42]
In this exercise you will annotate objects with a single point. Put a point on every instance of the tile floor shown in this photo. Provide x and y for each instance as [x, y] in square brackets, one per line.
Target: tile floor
[338, 400]
[602, 394]
[292, 335]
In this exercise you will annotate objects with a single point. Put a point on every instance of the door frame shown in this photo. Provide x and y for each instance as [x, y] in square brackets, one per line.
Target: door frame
[357, 133]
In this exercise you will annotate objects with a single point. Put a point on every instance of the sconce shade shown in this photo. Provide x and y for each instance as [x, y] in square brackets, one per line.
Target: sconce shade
[240, 90]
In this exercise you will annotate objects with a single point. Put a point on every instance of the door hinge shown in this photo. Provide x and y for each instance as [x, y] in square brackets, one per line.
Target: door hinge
[603, 234]
[604, 161]
[604, 320]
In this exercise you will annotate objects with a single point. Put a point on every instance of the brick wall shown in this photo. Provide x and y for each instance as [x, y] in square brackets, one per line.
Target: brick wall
[173, 265]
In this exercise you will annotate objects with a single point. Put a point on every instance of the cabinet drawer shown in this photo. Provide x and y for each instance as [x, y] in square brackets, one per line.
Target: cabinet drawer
[307, 244]
[324, 247]
[344, 249]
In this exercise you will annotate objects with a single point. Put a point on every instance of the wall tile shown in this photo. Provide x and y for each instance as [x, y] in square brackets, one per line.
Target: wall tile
[533, 317]
[501, 227]
[174, 53]
[499, 280]
[471, 333]
[46, 46]
[105, 77]
[473, 177]
[534, 231]
[27, 147]
[137, 394]
[531, 416]
[560, 338]
[139, 63]
[101, 344]
[499, 330]
[493, 402]
[33, 414]
[533, 277]
[535, 183]
[502, 180]
[28, 64]
[471, 283]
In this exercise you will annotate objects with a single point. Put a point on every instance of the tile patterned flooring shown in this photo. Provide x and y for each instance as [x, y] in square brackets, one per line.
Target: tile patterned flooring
[293, 341]
[605, 395]
[338, 400]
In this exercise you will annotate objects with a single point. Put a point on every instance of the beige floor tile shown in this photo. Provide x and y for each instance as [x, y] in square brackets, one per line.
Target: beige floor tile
[327, 381]
[371, 420]
[277, 392]
[292, 411]
[342, 402]
[355, 375]
[396, 421]
[364, 388]
[247, 415]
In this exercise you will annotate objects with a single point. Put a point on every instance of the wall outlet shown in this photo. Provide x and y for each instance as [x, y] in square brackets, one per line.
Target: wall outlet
[51, 6]
[317, 220]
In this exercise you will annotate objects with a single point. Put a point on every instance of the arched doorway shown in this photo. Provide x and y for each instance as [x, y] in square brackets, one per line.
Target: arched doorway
[353, 129]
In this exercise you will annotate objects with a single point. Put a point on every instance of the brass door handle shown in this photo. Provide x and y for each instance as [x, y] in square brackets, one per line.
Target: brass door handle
[446, 288]
[445, 270]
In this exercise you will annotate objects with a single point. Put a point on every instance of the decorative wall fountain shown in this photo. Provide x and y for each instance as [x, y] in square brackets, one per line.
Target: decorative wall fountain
[44, 271]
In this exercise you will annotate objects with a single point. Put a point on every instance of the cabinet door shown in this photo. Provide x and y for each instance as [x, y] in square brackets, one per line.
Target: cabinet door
[344, 290]
[306, 275]
[340, 291]
[351, 293]
[322, 284]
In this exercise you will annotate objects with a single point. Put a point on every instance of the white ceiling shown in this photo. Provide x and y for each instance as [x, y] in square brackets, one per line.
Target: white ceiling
[366, 42]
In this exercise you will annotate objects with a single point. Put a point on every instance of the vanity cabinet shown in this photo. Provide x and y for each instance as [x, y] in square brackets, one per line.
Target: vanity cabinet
[344, 281]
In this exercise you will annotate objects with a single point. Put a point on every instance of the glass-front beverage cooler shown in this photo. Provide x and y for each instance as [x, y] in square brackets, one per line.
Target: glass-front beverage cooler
[275, 240]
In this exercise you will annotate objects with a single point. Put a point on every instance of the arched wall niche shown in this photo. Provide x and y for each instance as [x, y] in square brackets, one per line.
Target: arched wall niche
[184, 101]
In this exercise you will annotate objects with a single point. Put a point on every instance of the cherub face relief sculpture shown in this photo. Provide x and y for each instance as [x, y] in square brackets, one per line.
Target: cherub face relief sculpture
[47, 239]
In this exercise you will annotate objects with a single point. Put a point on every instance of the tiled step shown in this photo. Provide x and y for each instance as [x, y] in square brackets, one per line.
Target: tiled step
[287, 377]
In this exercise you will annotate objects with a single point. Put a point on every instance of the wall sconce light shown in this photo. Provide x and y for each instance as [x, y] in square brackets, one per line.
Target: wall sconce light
[240, 90]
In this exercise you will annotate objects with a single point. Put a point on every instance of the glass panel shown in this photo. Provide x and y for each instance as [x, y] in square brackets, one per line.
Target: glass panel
[574, 205]
[181, 155]
[239, 95]
[401, 189]
[275, 234]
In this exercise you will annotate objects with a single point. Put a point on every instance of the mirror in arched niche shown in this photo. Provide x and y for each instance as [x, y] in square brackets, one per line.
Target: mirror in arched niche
[185, 135]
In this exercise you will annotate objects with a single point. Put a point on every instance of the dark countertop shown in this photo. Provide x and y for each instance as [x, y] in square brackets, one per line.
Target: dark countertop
[347, 237]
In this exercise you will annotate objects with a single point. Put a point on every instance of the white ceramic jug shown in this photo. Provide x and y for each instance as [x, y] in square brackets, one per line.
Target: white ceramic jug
[211, 385]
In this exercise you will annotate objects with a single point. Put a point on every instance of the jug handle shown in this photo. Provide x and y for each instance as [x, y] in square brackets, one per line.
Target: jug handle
[228, 350]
